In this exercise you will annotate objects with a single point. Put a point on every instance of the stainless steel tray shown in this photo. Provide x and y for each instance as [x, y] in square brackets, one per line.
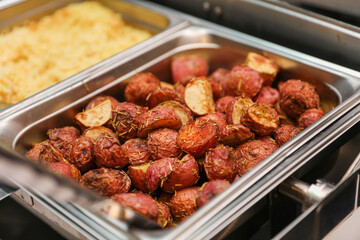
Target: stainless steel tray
[338, 88]
[137, 13]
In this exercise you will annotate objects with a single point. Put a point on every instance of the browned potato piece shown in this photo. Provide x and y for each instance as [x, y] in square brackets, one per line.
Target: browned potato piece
[222, 103]
[125, 120]
[220, 163]
[100, 99]
[109, 153]
[261, 119]
[267, 95]
[296, 96]
[106, 182]
[160, 95]
[180, 91]
[140, 202]
[218, 118]
[284, 133]
[165, 217]
[158, 172]
[162, 144]
[253, 152]
[183, 203]
[243, 81]
[209, 190]
[266, 67]
[186, 67]
[50, 154]
[236, 108]
[165, 198]
[82, 154]
[219, 75]
[308, 117]
[183, 112]
[235, 134]
[158, 117]
[199, 97]
[198, 136]
[137, 175]
[94, 132]
[185, 174]
[34, 153]
[137, 151]
[96, 116]
[65, 170]
[140, 86]
[166, 85]
[216, 88]
[63, 139]
[284, 119]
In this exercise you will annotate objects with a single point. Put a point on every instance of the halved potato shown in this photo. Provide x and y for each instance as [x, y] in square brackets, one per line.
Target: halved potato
[94, 132]
[266, 67]
[236, 108]
[183, 112]
[96, 116]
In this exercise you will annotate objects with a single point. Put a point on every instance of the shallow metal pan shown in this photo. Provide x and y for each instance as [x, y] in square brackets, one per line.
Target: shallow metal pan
[137, 13]
[338, 88]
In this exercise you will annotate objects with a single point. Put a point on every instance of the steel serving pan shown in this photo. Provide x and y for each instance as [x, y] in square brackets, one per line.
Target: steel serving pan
[136, 13]
[337, 86]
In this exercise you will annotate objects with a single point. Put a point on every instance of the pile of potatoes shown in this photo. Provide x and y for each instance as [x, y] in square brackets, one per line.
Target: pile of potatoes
[170, 148]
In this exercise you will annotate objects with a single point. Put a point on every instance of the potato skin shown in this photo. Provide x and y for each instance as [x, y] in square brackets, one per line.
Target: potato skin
[137, 175]
[162, 144]
[236, 108]
[106, 181]
[308, 117]
[140, 86]
[140, 202]
[158, 172]
[266, 67]
[34, 153]
[63, 139]
[82, 154]
[182, 111]
[185, 174]
[218, 118]
[158, 117]
[97, 100]
[209, 190]
[222, 103]
[66, 170]
[296, 96]
[234, 134]
[49, 154]
[285, 133]
[109, 153]
[261, 119]
[186, 67]
[137, 151]
[267, 95]
[253, 152]
[243, 81]
[124, 120]
[183, 203]
[220, 163]
[160, 95]
[219, 75]
[180, 91]
[217, 89]
[198, 136]
[164, 218]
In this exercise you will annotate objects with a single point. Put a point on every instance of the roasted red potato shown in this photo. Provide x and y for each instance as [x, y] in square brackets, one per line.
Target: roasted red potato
[160, 95]
[140, 202]
[296, 96]
[220, 163]
[284, 119]
[94, 132]
[65, 170]
[236, 108]
[216, 88]
[183, 203]
[266, 67]
[109, 153]
[100, 99]
[219, 75]
[98, 115]
[162, 144]
[82, 154]
[165, 198]
[50, 154]
[166, 85]
[234, 134]
[125, 120]
[34, 153]
[137, 151]
[183, 112]
[308, 117]
[164, 218]
[186, 67]
[222, 103]
[243, 81]
[63, 139]
[199, 96]
[253, 152]
[267, 95]
[106, 181]
[284, 133]
[158, 172]
[158, 117]
[261, 119]
[218, 118]
[140, 86]
[180, 91]
[185, 174]
[198, 136]
[137, 175]
[209, 190]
